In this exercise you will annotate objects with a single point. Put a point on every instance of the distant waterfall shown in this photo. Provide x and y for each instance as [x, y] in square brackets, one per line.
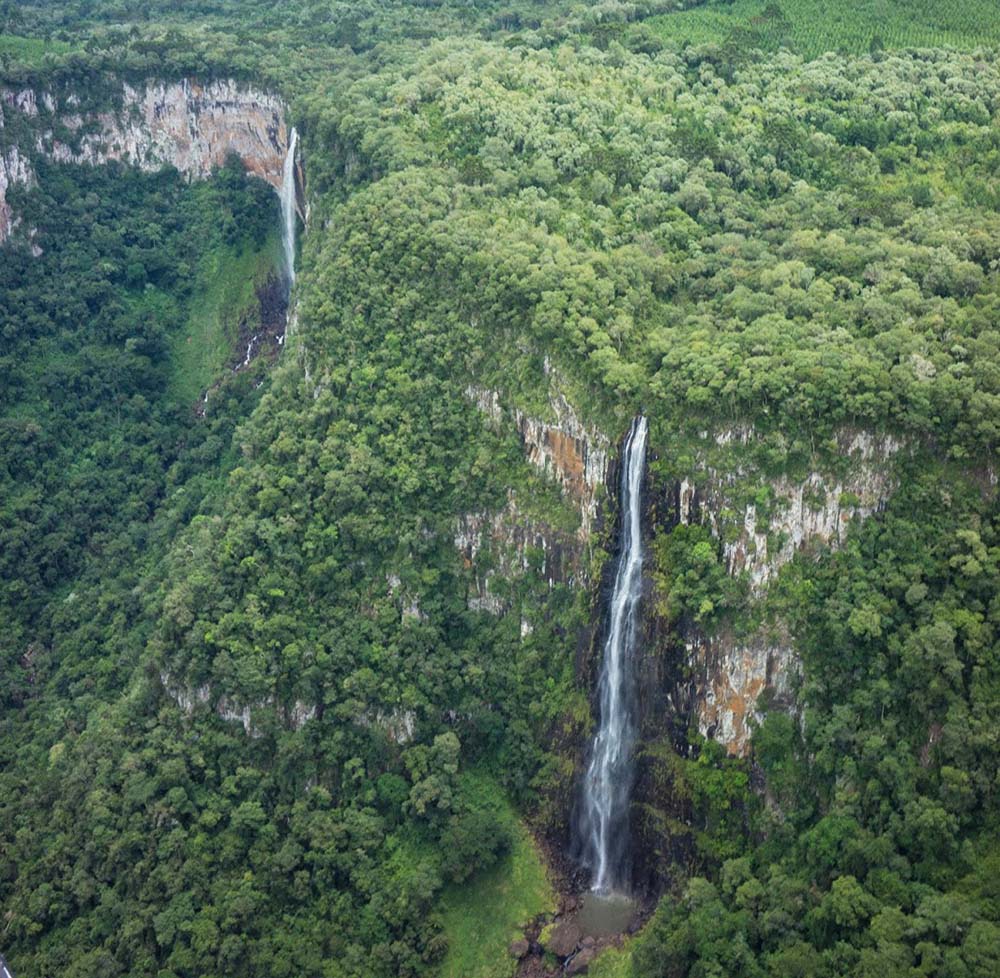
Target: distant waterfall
[608, 783]
[288, 207]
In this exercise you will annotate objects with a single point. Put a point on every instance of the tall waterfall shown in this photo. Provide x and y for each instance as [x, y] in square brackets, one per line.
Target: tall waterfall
[288, 207]
[608, 783]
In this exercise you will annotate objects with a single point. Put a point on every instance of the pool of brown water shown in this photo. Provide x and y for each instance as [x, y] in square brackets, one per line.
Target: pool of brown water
[605, 914]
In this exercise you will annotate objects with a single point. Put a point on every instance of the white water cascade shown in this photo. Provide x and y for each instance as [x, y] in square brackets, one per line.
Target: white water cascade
[288, 207]
[608, 782]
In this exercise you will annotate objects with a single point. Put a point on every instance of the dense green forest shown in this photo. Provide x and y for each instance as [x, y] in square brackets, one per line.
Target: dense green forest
[92, 420]
[254, 715]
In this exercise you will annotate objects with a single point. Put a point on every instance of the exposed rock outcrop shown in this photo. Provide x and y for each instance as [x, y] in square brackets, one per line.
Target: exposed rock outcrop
[189, 126]
[14, 169]
[727, 675]
[581, 961]
[572, 453]
[399, 726]
[510, 538]
[805, 511]
[762, 522]
[190, 699]
[575, 457]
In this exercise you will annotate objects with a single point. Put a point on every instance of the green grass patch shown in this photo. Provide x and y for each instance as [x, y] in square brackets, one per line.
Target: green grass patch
[225, 292]
[832, 25]
[483, 916]
[615, 962]
[30, 50]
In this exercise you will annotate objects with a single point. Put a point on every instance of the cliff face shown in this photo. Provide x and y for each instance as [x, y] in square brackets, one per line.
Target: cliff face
[799, 511]
[14, 168]
[787, 515]
[569, 451]
[761, 522]
[498, 545]
[183, 124]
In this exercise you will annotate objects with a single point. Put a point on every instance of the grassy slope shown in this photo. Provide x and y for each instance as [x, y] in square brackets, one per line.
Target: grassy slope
[827, 25]
[30, 50]
[225, 289]
[483, 916]
[199, 352]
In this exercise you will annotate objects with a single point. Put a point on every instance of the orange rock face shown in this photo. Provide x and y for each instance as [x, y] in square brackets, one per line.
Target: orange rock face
[189, 126]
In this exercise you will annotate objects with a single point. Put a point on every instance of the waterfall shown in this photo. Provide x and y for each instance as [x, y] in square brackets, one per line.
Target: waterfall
[288, 207]
[608, 782]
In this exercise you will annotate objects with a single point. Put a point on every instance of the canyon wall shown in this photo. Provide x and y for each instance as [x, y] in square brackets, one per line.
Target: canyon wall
[799, 510]
[193, 127]
[189, 126]
[563, 449]
[784, 515]
[687, 675]
[761, 521]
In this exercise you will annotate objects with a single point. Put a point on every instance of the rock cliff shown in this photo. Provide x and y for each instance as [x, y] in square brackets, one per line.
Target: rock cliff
[785, 515]
[14, 168]
[800, 511]
[574, 454]
[760, 520]
[563, 449]
[189, 126]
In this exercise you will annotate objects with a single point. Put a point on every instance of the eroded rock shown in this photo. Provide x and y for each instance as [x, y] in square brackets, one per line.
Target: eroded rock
[729, 674]
[563, 939]
[581, 961]
[575, 456]
[571, 452]
[184, 124]
[815, 509]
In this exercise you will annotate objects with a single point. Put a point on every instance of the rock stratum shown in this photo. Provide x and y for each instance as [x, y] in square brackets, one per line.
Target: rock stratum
[190, 126]
[727, 675]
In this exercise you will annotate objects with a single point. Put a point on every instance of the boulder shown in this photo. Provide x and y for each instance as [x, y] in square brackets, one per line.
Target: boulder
[518, 949]
[579, 963]
[562, 939]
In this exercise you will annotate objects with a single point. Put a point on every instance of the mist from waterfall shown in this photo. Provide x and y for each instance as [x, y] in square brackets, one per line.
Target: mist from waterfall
[608, 783]
[288, 207]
